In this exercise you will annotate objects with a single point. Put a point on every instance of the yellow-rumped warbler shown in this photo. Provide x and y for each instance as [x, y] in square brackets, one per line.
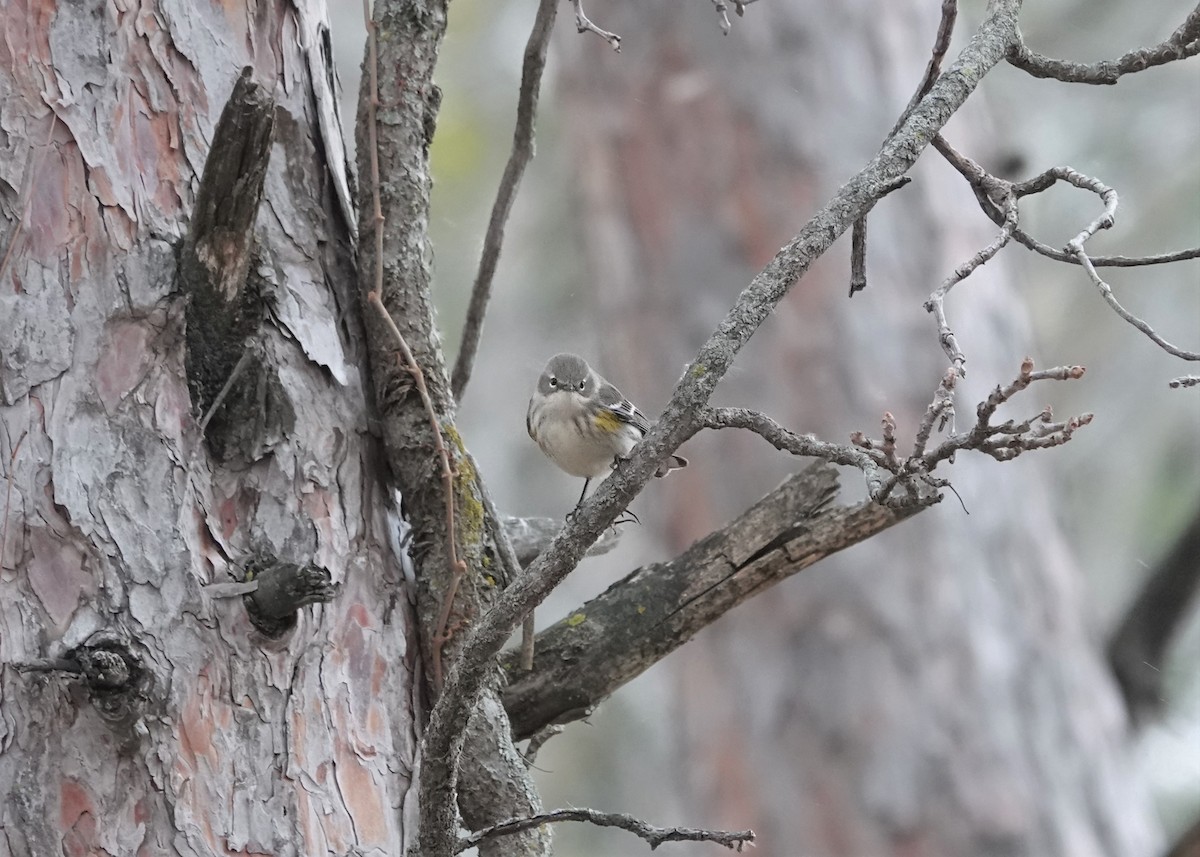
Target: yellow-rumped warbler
[583, 423]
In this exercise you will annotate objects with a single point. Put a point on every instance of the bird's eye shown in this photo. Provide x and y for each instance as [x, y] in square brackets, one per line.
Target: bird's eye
[553, 381]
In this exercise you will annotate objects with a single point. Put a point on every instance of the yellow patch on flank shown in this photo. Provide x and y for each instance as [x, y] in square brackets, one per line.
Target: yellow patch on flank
[575, 620]
[641, 609]
[606, 421]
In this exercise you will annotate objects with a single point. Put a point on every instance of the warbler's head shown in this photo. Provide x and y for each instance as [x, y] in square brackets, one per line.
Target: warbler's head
[567, 373]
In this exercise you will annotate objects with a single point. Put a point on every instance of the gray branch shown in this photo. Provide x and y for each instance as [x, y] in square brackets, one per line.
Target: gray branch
[656, 836]
[618, 635]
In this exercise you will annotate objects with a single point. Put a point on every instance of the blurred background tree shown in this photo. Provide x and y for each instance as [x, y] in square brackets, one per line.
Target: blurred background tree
[941, 689]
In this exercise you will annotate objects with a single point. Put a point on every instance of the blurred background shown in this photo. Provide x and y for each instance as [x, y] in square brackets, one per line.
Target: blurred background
[940, 689]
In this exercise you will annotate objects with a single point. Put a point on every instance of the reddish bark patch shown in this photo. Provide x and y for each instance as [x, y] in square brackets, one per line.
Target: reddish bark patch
[56, 574]
[122, 363]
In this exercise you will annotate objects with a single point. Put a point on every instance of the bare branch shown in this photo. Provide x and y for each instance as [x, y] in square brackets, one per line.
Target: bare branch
[1008, 440]
[941, 44]
[985, 185]
[249, 352]
[1184, 381]
[858, 238]
[444, 738]
[1183, 43]
[520, 156]
[788, 441]
[584, 25]
[934, 304]
[940, 411]
[538, 740]
[723, 15]
[616, 636]
[1076, 247]
[457, 567]
[656, 836]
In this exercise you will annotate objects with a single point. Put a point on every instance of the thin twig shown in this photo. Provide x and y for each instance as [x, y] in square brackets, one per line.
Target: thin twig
[941, 44]
[520, 156]
[1075, 247]
[457, 566]
[584, 25]
[238, 368]
[788, 441]
[723, 15]
[986, 185]
[539, 740]
[509, 561]
[934, 304]
[656, 836]
[1106, 292]
[1184, 381]
[858, 238]
[375, 299]
[1183, 43]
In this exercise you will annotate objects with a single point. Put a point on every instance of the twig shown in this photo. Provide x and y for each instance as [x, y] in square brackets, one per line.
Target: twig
[940, 411]
[1008, 440]
[583, 25]
[509, 561]
[1183, 43]
[539, 740]
[858, 238]
[457, 567]
[934, 304]
[1076, 247]
[238, 368]
[723, 15]
[788, 441]
[656, 836]
[1184, 381]
[985, 185]
[941, 44]
[520, 156]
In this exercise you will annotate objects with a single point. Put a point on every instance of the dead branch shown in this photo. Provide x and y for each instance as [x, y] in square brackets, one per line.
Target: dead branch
[941, 44]
[598, 647]
[1183, 43]
[656, 836]
[520, 156]
[584, 25]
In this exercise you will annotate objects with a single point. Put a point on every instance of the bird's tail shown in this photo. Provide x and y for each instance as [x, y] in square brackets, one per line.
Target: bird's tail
[675, 462]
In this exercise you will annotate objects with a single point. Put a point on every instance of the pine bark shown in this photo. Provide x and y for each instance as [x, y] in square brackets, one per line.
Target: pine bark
[118, 510]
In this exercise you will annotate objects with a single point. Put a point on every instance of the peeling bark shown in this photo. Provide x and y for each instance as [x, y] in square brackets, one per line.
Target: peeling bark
[115, 515]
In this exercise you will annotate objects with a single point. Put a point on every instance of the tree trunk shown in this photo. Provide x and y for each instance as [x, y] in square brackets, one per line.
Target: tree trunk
[937, 691]
[119, 509]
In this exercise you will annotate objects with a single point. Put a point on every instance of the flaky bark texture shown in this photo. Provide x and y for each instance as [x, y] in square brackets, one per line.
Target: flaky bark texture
[935, 691]
[116, 513]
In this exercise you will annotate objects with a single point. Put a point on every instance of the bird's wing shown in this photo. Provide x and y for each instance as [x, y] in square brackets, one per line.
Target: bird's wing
[623, 409]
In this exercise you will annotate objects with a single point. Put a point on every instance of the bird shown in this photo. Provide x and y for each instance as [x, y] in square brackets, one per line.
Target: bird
[583, 423]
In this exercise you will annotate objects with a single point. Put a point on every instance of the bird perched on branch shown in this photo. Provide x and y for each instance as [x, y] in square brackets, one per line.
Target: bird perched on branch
[583, 423]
